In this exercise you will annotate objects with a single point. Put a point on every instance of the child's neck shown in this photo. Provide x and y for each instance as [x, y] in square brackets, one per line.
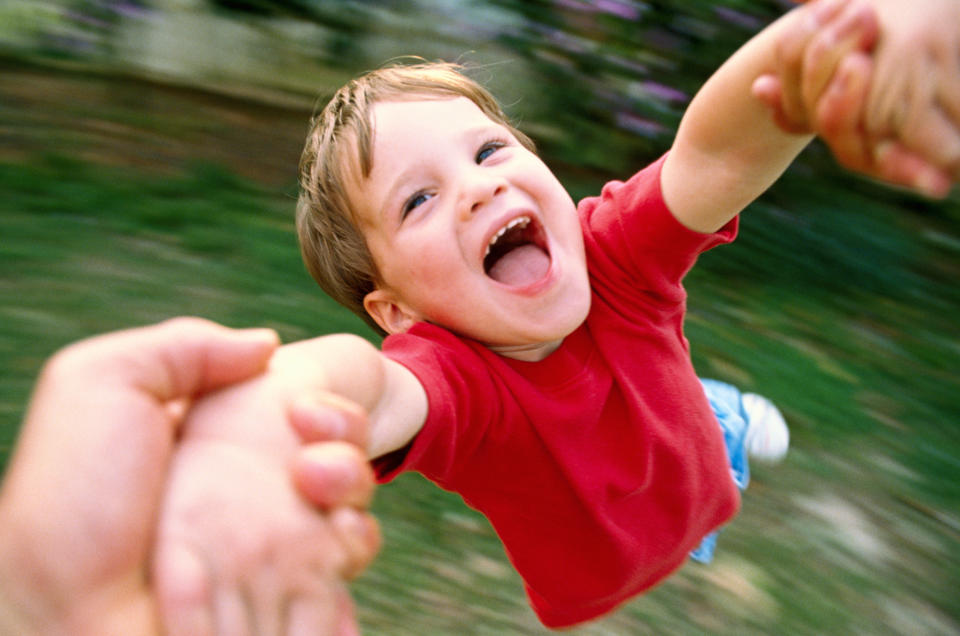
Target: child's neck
[534, 352]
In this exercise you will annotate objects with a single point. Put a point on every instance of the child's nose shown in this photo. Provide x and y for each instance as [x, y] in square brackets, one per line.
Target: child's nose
[479, 191]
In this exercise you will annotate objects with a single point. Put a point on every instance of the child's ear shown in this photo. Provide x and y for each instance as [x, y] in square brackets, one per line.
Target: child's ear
[392, 316]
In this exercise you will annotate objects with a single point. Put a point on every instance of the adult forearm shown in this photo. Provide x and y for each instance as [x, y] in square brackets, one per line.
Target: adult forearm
[13, 619]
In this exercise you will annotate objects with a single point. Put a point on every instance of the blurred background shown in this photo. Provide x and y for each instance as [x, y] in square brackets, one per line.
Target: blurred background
[148, 153]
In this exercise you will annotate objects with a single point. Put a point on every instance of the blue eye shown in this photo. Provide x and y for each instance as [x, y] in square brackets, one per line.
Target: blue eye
[488, 149]
[415, 201]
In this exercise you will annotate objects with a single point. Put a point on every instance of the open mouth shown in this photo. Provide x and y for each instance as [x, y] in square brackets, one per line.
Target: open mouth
[517, 255]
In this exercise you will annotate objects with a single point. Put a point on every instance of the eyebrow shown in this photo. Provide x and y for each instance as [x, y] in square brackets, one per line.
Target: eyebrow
[405, 175]
[411, 170]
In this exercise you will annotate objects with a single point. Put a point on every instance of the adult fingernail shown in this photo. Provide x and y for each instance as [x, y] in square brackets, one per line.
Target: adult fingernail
[932, 184]
[261, 334]
[824, 10]
[882, 152]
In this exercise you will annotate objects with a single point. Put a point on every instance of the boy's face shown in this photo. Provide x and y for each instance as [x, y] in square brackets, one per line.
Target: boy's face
[469, 230]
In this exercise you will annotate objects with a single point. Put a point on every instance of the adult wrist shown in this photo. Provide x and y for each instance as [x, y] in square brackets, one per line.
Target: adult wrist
[27, 604]
[17, 613]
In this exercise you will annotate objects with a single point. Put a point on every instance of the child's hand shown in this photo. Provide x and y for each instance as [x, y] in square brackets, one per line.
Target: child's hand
[812, 54]
[238, 551]
[82, 493]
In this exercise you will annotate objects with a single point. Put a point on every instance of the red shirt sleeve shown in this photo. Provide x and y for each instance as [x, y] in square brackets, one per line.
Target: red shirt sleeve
[631, 234]
[457, 414]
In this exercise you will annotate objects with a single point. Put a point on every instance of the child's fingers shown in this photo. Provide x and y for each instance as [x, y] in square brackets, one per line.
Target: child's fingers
[329, 417]
[769, 91]
[854, 29]
[790, 54]
[333, 474]
[359, 535]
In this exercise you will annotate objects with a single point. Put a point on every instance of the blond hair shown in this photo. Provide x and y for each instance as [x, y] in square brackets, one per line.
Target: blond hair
[339, 145]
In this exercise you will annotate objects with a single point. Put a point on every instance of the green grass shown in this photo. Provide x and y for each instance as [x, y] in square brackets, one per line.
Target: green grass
[838, 301]
[87, 249]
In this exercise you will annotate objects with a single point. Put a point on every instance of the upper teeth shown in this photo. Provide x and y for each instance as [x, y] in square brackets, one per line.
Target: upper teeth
[520, 221]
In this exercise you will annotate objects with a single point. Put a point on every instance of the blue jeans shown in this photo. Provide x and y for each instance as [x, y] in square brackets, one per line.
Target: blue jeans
[725, 402]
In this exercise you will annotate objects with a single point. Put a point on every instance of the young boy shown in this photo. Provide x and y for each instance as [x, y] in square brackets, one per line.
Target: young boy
[535, 362]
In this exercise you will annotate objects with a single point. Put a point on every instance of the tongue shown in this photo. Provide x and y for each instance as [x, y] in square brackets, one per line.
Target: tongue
[522, 265]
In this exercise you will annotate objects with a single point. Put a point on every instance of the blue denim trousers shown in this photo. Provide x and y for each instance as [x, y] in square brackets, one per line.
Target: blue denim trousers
[725, 401]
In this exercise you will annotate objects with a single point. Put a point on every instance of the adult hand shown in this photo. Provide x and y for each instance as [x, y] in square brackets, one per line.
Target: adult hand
[238, 549]
[79, 501]
[894, 114]
[915, 94]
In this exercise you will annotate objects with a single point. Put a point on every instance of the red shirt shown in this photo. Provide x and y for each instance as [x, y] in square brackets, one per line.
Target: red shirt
[601, 466]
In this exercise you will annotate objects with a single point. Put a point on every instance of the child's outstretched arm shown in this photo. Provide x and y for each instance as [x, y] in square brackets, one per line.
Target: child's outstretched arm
[728, 149]
[238, 550]
[348, 367]
[912, 73]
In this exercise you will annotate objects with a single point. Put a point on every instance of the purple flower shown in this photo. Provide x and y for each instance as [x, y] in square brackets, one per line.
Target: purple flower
[739, 18]
[664, 92]
[626, 9]
[639, 125]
